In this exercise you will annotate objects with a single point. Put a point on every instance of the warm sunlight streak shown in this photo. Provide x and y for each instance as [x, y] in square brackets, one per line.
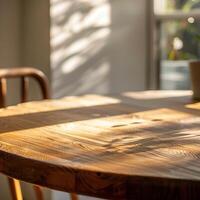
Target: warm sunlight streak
[56, 105]
[79, 32]
[95, 77]
[72, 64]
[152, 122]
[59, 7]
[195, 106]
[79, 46]
[157, 94]
[145, 119]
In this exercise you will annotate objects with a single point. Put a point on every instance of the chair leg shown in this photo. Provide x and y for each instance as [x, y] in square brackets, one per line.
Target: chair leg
[73, 196]
[16, 192]
[15, 189]
[38, 192]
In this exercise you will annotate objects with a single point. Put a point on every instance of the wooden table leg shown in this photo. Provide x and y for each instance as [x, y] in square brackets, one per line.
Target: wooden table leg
[15, 189]
[73, 196]
[38, 192]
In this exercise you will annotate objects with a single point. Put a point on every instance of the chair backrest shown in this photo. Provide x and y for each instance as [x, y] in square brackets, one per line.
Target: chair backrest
[24, 74]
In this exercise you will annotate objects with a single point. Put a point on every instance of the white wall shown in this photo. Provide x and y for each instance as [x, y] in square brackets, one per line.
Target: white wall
[98, 46]
[35, 33]
[10, 32]
[10, 38]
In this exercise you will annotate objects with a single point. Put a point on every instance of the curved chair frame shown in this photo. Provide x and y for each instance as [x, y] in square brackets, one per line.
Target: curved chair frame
[24, 74]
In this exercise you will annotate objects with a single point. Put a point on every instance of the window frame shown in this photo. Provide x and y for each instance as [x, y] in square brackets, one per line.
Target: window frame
[155, 20]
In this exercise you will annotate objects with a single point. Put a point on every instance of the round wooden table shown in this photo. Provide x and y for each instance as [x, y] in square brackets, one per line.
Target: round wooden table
[139, 146]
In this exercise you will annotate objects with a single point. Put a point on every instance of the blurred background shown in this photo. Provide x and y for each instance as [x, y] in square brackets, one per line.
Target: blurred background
[101, 46]
[177, 27]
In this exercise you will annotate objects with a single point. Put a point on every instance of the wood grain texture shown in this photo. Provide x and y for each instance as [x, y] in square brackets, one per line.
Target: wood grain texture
[139, 146]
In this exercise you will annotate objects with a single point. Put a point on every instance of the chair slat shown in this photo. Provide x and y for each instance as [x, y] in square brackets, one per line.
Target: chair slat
[15, 189]
[3, 91]
[73, 196]
[38, 192]
[24, 89]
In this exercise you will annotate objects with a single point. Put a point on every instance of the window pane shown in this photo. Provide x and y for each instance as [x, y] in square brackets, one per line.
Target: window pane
[179, 42]
[162, 6]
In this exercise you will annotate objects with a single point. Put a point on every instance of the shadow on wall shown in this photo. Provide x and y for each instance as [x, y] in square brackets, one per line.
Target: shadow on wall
[97, 46]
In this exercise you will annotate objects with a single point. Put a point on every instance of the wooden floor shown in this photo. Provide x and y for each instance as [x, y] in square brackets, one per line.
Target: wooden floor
[128, 146]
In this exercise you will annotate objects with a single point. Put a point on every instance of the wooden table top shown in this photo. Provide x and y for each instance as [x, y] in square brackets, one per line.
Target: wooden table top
[130, 146]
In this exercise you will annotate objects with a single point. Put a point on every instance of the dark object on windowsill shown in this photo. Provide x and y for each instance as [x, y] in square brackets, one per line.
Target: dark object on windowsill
[195, 79]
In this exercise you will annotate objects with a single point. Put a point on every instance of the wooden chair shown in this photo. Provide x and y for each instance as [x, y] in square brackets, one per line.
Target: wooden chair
[24, 74]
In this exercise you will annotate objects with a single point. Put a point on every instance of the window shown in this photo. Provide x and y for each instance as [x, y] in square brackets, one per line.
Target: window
[177, 24]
